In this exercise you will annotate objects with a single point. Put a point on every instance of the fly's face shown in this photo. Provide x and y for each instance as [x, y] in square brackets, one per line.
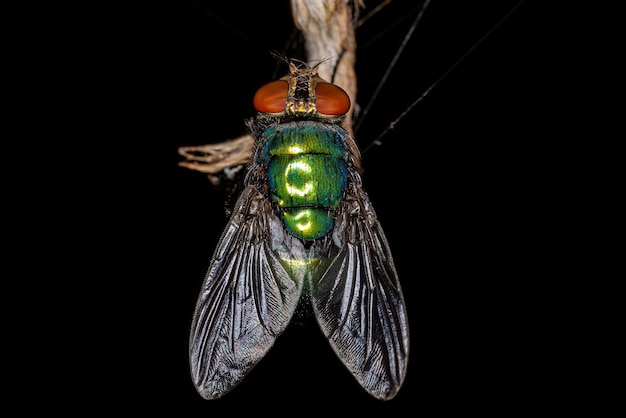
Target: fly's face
[302, 93]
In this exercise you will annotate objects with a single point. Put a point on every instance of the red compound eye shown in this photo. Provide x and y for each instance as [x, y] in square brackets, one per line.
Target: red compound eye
[272, 97]
[331, 99]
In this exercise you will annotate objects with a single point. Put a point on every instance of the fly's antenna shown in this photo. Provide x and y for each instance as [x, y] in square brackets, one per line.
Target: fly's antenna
[280, 57]
[323, 60]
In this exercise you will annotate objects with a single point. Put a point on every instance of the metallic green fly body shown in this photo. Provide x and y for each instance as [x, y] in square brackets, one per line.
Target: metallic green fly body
[302, 223]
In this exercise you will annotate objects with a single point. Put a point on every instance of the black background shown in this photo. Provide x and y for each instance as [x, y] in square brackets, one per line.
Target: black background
[454, 186]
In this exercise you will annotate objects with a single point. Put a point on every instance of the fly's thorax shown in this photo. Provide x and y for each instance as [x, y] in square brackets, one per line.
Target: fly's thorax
[301, 137]
[306, 172]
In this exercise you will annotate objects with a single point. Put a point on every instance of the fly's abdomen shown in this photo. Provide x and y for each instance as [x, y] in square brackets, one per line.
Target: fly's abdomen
[306, 173]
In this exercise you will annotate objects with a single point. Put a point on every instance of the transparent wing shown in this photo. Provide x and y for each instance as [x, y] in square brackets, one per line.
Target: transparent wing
[359, 304]
[246, 301]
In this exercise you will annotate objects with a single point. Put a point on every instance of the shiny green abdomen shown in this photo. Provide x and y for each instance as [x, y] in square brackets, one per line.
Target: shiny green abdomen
[306, 174]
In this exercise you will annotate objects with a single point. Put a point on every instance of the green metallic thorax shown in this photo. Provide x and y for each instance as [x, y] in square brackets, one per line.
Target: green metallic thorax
[306, 173]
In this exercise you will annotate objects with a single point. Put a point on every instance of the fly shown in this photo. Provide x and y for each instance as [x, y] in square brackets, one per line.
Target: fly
[303, 228]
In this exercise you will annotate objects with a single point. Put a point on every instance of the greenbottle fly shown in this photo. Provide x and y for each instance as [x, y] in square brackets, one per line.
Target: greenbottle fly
[302, 225]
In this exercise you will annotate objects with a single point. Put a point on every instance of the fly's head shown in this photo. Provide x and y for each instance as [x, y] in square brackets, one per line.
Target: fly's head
[302, 94]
